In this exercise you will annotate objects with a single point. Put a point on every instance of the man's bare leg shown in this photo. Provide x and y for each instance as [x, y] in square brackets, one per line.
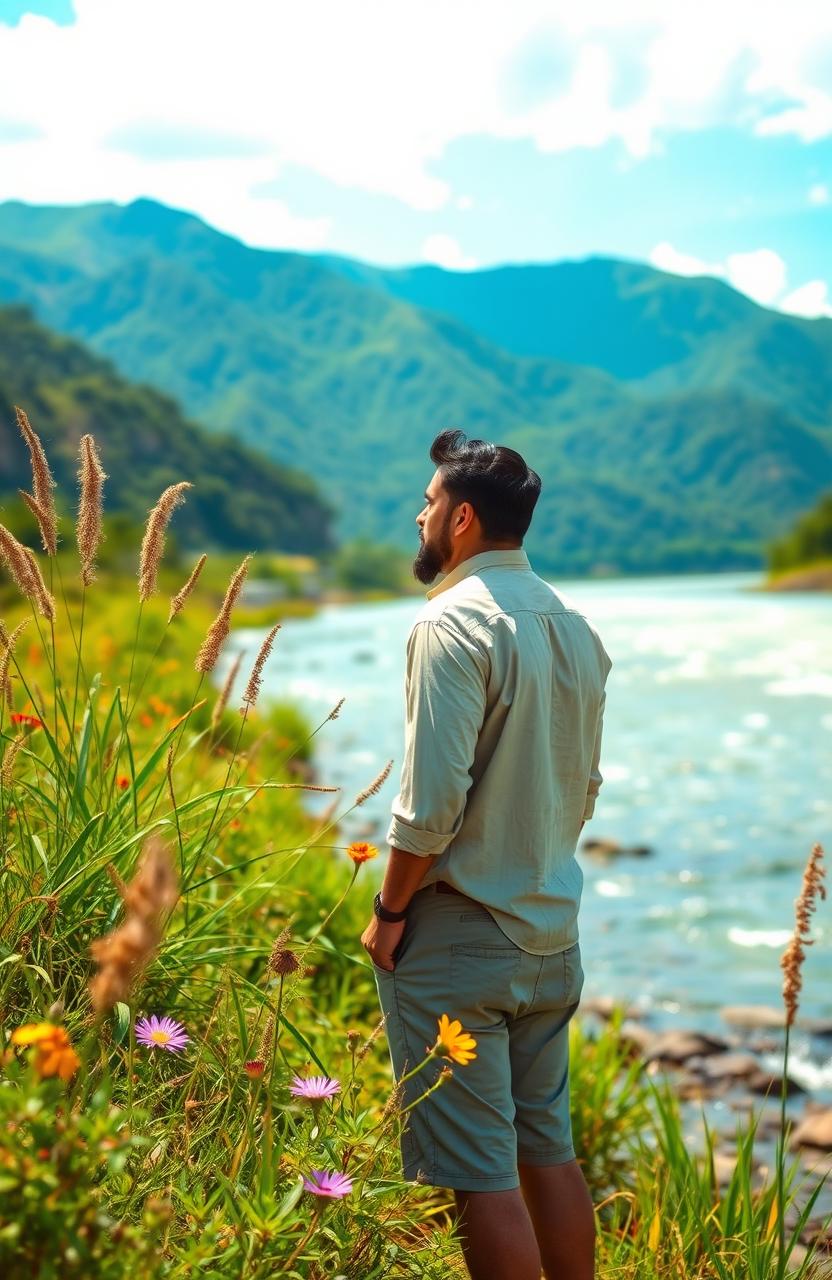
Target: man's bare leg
[561, 1210]
[497, 1235]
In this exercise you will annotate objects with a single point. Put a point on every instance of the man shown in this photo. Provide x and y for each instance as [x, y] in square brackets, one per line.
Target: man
[477, 915]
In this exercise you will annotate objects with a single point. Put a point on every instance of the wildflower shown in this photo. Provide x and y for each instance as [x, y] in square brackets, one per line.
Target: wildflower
[254, 1068]
[360, 851]
[122, 782]
[54, 1055]
[792, 959]
[333, 1185]
[88, 529]
[161, 1033]
[314, 1088]
[283, 960]
[452, 1042]
[32, 722]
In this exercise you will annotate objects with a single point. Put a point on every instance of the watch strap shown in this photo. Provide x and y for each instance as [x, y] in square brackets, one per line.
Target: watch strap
[389, 917]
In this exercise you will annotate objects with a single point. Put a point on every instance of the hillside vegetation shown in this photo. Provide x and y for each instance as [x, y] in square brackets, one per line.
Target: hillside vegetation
[239, 499]
[675, 424]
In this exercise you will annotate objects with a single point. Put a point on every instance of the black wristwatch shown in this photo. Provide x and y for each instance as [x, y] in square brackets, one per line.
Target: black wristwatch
[389, 917]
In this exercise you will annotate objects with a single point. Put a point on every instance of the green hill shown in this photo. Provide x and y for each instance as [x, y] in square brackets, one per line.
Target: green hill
[658, 331]
[238, 501]
[662, 459]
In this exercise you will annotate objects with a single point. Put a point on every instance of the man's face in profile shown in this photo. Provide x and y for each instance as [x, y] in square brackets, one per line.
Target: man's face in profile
[434, 521]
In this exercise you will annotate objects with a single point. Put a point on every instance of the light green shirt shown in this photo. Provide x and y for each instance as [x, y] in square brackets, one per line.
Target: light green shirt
[504, 699]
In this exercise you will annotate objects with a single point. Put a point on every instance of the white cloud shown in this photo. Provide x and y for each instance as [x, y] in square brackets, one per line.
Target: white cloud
[667, 258]
[819, 193]
[445, 251]
[811, 299]
[369, 96]
[760, 274]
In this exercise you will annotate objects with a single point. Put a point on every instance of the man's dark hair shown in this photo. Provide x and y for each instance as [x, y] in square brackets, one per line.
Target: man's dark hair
[496, 481]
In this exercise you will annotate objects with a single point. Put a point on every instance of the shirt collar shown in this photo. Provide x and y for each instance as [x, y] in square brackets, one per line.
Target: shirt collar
[485, 560]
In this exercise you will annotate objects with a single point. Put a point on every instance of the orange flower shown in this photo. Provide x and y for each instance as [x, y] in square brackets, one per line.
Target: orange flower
[147, 720]
[452, 1042]
[360, 851]
[54, 1054]
[20, 717]
[254, 1068]
[122, 782]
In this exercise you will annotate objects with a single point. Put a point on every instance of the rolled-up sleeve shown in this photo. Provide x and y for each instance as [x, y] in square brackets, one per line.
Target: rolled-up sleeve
[445, 697]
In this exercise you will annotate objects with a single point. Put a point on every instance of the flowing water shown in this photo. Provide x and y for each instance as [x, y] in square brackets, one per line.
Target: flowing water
[717, 756]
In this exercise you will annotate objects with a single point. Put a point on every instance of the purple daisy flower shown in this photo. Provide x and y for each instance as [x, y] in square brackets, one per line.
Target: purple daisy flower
[314, 1088]
[334, 1185]
[161, 1033]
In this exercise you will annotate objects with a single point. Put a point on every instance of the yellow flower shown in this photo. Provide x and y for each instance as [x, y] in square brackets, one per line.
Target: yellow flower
[359, 851]
[452, 1042]
[55, 1056]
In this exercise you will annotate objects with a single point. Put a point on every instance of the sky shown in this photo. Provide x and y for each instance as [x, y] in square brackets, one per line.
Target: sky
[465, 133]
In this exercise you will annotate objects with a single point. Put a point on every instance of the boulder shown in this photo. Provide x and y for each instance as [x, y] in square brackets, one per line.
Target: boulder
[766, 1082]
[730, 1066]
[678, 1046]
[754, 1017]
[814, 1130]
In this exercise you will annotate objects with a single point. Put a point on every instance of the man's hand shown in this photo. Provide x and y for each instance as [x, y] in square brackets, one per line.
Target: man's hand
[380, 941]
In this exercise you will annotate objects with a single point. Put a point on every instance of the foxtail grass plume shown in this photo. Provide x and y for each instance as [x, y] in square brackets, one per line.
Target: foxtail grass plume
[41, 503]
[253, 687]
[42, 598]
[333, 715]
[792, 959]
[212, 644]
[374, 786]
[153, 542]
[125, 952]
[225, 692]
[371, 1038]
[7, 645]
[9, 757]
[23, 567]
[178, 601]
[91, 476]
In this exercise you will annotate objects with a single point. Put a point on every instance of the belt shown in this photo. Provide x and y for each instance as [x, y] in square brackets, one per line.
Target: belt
[442, 886]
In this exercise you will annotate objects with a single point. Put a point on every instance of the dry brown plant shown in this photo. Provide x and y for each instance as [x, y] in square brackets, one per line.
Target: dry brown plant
[125, 952]
[252, 690]
[210, 648]
[42, 504]
[178, 601]
[792, 959]
[91, 476]
[333, 715]
[153, 542]
[282, 959]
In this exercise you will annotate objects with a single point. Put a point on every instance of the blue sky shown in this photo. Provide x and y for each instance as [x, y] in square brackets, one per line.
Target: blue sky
[468, 134]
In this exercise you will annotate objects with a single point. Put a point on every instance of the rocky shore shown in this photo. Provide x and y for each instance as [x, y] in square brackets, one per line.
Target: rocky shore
[730, 1070]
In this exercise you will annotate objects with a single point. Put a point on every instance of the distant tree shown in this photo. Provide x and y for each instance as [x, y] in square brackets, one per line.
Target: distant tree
[808, 541]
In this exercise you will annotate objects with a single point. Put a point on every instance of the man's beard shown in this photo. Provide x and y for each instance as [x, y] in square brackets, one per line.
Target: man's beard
[432, 555]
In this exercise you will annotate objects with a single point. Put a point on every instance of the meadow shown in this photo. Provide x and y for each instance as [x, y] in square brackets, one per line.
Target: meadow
[194, 1072]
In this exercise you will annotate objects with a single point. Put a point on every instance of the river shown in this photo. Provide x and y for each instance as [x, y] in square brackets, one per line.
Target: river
[717, 755]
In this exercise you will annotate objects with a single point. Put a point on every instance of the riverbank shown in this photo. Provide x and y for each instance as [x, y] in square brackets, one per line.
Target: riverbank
[810, 577]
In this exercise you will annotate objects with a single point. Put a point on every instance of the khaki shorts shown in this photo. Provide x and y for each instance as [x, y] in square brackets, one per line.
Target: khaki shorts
[511, 1103]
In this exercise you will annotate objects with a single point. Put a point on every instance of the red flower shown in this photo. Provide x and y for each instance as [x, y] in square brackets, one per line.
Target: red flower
[122, 782]
[20, 717]
[255, 1068]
